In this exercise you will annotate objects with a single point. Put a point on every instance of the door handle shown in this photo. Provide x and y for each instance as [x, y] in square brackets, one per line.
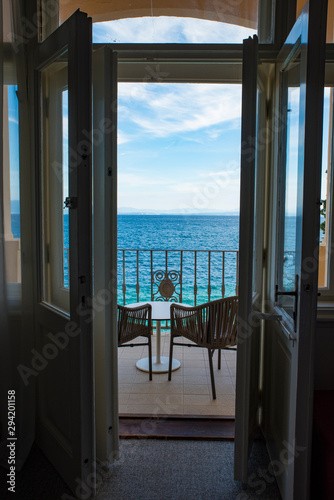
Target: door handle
[267, 316]
[293, 294]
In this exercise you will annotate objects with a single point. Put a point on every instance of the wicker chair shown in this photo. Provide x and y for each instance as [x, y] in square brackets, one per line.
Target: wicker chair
[212, 325]
[133, 322]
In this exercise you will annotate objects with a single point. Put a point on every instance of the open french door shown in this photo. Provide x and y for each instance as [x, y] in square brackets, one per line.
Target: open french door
[62, 108]
[250, 255]
[105, 252]
[288, 338]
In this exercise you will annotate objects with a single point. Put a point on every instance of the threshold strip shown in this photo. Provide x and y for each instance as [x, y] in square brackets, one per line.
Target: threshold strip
[167, 427]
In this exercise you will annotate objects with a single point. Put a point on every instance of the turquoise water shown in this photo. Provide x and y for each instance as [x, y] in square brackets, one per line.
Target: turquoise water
[178, 232]
[175, 232]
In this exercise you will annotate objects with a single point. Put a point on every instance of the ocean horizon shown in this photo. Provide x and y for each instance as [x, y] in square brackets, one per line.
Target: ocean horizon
[173, 232]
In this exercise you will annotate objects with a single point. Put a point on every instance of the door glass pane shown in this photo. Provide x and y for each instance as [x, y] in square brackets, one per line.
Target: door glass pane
[287, 228]
[326, 191]
[257, 234]
[54, 171]
[11, 185]
[66, 241]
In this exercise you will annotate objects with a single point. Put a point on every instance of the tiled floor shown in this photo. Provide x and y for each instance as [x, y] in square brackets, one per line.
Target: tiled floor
[189, 391]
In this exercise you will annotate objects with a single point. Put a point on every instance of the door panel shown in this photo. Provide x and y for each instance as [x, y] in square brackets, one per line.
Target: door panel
[64, 341]
[288, 341]
[289, 344]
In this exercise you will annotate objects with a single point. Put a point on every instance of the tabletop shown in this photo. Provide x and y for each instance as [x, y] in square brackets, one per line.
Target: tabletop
[160, 310]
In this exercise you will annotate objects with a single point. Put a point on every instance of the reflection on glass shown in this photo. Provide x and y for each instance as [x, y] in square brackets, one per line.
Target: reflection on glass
[66, 244]
[255, 284]
[325, 208]
[291, 179]
[55, 153]
[11, 185]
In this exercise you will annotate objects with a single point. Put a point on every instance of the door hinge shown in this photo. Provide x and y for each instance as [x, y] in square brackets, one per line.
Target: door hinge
[47, 253]
[268, 108]
[71, 202]
[264, 256]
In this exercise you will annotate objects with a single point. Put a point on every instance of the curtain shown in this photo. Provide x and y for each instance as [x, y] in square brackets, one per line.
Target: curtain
[227, 11]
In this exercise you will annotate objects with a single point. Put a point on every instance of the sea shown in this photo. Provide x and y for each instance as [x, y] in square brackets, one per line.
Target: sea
[204, 233]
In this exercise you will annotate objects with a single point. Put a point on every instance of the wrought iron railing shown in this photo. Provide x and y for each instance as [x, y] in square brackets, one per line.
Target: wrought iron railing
[289, 269]
[192, 276]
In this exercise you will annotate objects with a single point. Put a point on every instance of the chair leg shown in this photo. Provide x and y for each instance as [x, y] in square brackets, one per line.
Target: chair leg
[170, 358]
[219, 358]
[150, 357]
[212, 374]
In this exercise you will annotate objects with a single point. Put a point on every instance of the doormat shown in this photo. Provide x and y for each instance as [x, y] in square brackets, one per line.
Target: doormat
[194, 428]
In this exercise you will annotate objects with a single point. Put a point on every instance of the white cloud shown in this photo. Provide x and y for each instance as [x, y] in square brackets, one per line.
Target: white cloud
[163, 110]
[168, 30]
[11, 119]
[122, 138]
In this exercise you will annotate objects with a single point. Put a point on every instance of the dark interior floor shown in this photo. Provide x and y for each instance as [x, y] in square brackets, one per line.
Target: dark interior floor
[198, 468]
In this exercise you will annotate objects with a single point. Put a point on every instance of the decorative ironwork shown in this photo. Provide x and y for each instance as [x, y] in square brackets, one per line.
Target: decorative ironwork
[195, 282]
[166, 286]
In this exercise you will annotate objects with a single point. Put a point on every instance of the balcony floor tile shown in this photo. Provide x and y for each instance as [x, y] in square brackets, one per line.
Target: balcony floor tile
[188, 393]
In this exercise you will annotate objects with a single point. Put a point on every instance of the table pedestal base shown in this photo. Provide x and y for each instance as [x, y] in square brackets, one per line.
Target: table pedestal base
[161, 367]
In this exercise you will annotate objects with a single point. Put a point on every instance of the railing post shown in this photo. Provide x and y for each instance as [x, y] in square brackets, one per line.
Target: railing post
[137, 284]
[223, 275]
[151, 252]
[237, 274]
[195, 281]
[209, 276]
[124, 285]
[181, 268]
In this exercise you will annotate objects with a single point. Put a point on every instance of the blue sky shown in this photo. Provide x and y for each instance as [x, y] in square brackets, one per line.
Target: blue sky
[168, 30]
[13, 125]
[179, 144]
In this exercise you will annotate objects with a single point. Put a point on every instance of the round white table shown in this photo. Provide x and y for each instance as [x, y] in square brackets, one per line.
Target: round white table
[160, 364]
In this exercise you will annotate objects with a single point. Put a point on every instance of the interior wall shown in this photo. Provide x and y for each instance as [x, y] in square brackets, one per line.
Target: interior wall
[324, 355]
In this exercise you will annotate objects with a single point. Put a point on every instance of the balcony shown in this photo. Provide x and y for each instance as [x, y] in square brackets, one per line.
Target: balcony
[192, 277]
